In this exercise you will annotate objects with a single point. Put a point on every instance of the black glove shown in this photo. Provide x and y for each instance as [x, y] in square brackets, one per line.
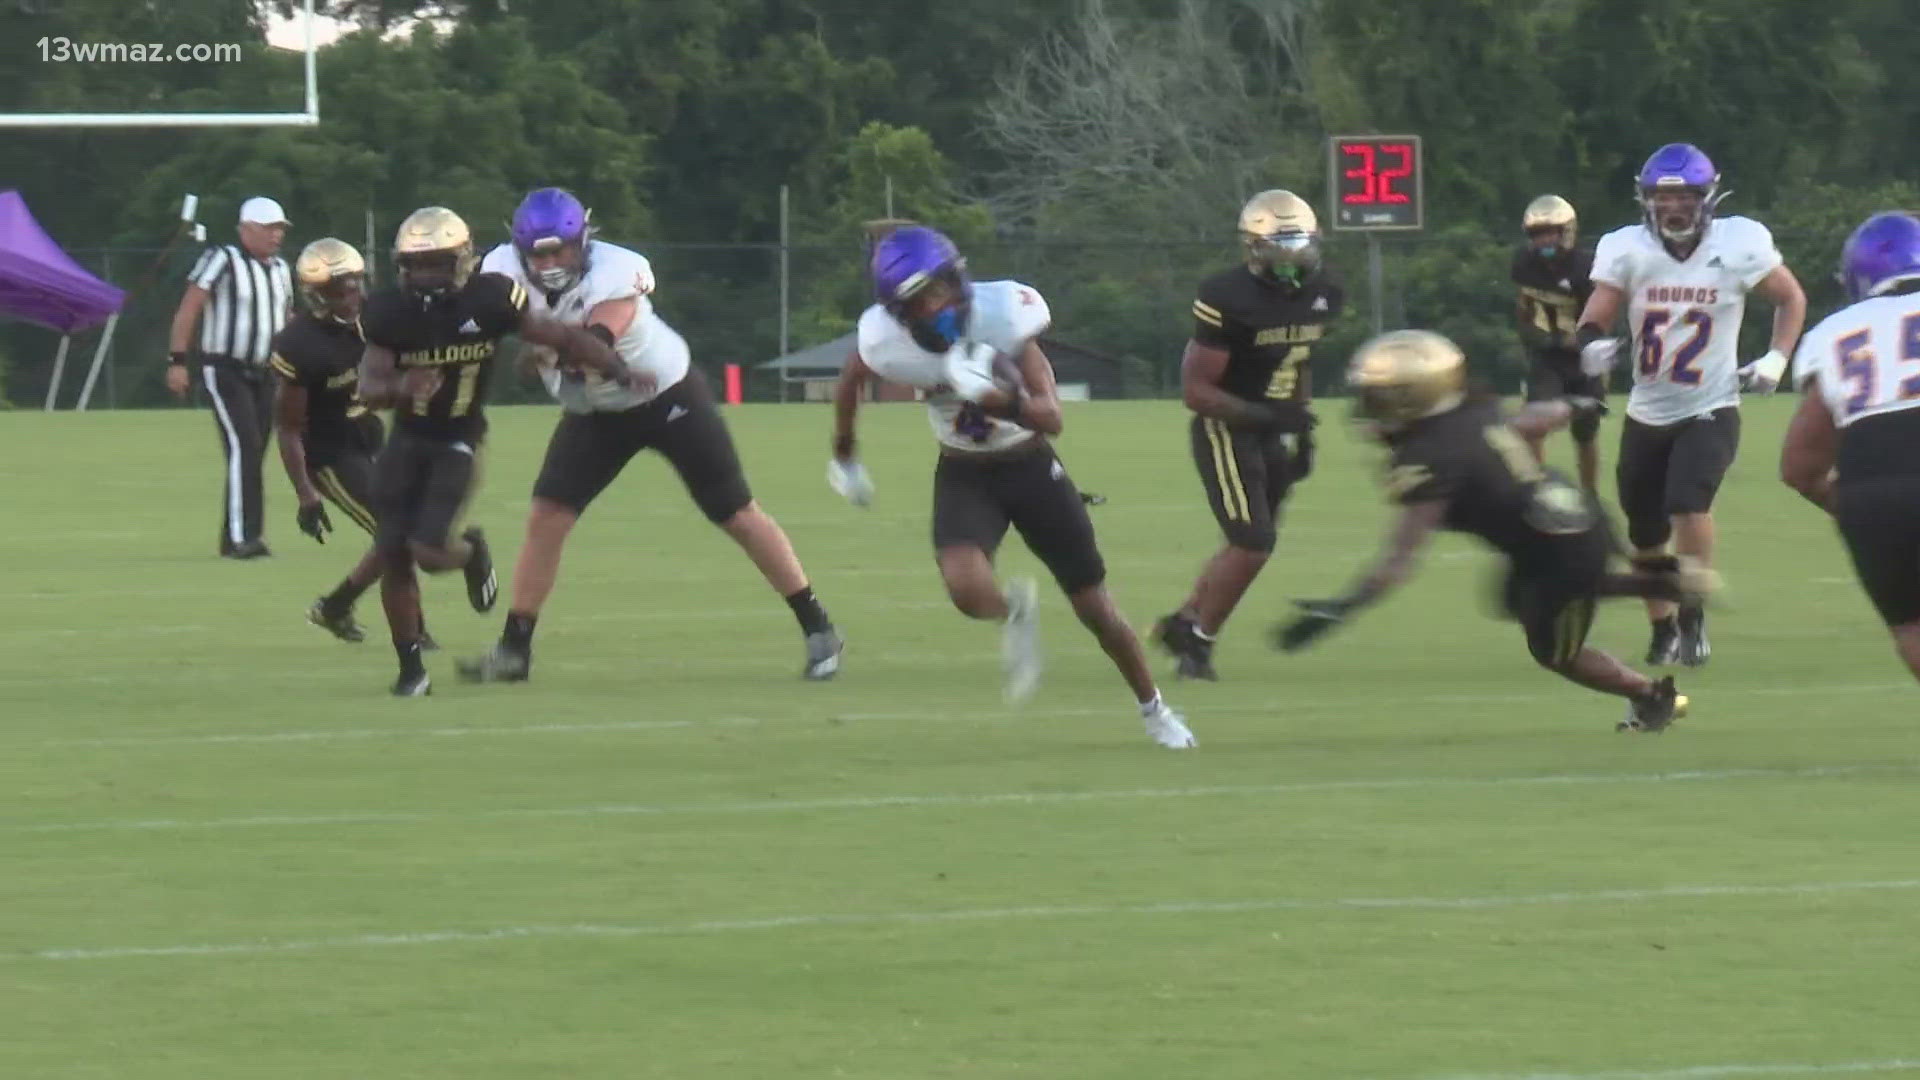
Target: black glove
[1303, 456]
[1316, 618]
[1278, 418]
[313, 521]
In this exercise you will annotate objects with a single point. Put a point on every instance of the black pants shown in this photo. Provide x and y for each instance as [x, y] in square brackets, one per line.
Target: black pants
[242, 401]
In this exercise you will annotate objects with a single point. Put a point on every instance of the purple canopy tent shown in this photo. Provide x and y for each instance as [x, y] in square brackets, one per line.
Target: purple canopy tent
[40, 284]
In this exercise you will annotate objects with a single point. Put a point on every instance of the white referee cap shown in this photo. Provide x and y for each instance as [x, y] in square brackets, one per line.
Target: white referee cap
[261, 210]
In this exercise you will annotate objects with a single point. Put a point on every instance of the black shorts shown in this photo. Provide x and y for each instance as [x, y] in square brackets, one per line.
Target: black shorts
[1552, 376]
[421, 487]
[345, 479]
[1675, 469]
[1247, 475]
[1554, 595]
[588, 450]
[975, 500]
[1880, 521]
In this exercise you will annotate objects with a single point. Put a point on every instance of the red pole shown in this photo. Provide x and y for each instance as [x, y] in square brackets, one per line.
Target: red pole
[733, 384]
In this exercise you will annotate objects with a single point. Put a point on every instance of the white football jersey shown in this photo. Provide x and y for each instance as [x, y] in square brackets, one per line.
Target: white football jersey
[649, 346]
[1865, 358]
[1005, 316]
[1684, 317]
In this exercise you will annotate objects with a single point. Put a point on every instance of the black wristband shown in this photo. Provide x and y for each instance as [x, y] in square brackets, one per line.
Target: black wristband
[176, 359]
[600, 331]
[1586, 335]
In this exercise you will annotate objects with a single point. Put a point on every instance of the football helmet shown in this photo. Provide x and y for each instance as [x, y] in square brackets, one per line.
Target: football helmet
[1281, 235]
[1551, 225]
[920, 278]
[1678, 190]
[1405, 375]
[1883, 252]
[433, 252]
[332, 278]
[550, 231]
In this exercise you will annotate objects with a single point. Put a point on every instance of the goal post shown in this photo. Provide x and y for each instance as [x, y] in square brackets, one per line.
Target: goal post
[309, 118]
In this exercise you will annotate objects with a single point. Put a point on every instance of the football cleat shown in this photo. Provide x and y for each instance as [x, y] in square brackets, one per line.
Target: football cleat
[498, 664]
[1664, 650]
[482, 587]
[248, 549]
[340, 624]
[1694, 647]
[412, 684]
[1169, 728]
[1020, 640]
[823, 654]
[1178, 635]
[1657, 711]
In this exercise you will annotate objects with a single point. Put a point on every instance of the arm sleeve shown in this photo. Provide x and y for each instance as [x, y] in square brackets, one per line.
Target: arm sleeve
[499, 303]
[209, 267]
[1610, 263]
[1762, 256]
[1211, 323]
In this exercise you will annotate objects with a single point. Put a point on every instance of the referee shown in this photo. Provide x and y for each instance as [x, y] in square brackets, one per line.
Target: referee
[240, 295]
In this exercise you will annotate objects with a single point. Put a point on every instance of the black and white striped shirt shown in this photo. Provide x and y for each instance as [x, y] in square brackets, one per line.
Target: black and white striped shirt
[248, 304]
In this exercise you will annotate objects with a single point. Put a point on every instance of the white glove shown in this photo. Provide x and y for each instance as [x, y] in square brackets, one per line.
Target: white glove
[969, 370]
[849, 480]
[1597, 356]
[1763, 375]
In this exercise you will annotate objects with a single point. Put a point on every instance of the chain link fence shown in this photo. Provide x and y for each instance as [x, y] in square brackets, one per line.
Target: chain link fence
[1128, 300]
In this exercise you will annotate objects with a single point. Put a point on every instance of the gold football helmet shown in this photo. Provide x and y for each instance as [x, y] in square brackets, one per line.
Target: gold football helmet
[433, 251]
[1551, 212]
[1405, 375]
[1281, 235]
[332, 278]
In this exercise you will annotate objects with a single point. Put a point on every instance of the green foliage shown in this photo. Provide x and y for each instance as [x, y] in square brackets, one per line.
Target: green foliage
[1098, 150]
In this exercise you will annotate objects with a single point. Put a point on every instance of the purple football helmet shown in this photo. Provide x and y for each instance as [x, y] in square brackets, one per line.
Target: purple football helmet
[551, 225]
[909, 261]
[1691, 186]
[1883, 252]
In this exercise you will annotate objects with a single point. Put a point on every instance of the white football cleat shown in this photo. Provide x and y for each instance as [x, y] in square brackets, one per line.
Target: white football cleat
[1168, 728]
[1020, 640]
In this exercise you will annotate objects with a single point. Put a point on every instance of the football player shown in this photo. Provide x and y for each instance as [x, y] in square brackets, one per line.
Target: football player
[1851, 446]
[327, 437]
[1246, 379]
[1553, 275]
[431, 339]
[1683, 276]
[666, 406]
[1459, 465]
[990, 395]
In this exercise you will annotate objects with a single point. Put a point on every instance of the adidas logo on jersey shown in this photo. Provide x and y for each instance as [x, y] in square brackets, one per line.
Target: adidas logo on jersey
[1715, 262]
[469, 327]
[1319, 304]
[675, 413]
[1565, 284]
[1058, 470]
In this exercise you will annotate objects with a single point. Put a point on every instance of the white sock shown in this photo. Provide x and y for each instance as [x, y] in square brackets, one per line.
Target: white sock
[1148, 708]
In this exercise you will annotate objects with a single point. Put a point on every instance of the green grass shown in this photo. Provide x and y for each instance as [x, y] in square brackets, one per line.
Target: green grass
[667, 857]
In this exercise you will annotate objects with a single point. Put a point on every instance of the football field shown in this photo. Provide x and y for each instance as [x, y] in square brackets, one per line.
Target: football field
[1408, 854]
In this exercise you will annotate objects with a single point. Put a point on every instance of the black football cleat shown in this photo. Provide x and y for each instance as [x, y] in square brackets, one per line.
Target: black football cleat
[340, 624]
[482, 587]
[1664, 650]
[1656, 711]
[1178, 635]
[823, 654]
[412, 684]
[1694, 648]
[498, 664]
[250, 549]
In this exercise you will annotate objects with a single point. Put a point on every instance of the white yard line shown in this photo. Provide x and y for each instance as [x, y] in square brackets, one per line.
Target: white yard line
[816, 716]
[908, 802]
[966, 915]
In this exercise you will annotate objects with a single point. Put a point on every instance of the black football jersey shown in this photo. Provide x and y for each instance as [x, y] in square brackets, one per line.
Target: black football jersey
[1487, 475]
[1553, 292]
[322, 356]
[458, 334]
[1266, 327]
